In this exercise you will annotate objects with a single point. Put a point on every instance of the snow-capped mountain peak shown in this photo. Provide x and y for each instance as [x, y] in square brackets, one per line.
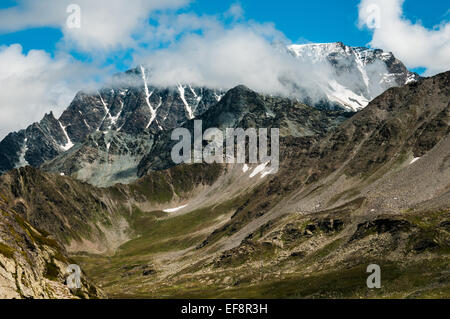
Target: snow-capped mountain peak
[360, 74]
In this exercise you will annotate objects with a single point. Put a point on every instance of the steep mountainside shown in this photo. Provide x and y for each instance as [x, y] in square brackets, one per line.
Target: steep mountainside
[243, 108]
[104, 159]
[128, 112]
[357, 160]
[32, 263]
[360, 74]
[83, 217]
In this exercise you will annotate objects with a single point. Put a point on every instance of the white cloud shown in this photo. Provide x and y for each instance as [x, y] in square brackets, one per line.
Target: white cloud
[34, 83]
[213, 54]
[235, 12]
[105, 24]
[412, 43]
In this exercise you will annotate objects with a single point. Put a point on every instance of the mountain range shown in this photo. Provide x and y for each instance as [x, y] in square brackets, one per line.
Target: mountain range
[103, 136]
[363, 179]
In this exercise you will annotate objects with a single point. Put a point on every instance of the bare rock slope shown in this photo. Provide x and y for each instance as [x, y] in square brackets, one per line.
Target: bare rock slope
[32, 263]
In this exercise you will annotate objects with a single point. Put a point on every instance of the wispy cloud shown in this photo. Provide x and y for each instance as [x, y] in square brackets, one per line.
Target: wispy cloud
[235, 12]
[411, 42]
[223, 56]
[35, 83]
[105, 24]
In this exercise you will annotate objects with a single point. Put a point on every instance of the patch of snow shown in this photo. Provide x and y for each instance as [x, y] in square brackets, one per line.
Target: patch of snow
[218, 97]
[115, 118]
[258, 169]
[385, 56]
[159, 105]
[192, 90]
[245, 168]
[270, 114]
[411, 78]
[316, 52]
[87, 125]
[344, 96]
[360, 64]
[415, 159]
[107, 114]
[69, 143]
[147, 98]
[22, 161]
[388, 78]
[183, 98]
[118, 130]
[103, 103]
[172, 210]
[197, 97]
[266, 172]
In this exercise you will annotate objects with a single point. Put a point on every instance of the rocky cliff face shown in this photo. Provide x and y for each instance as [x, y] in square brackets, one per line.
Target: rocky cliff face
[32, 263]
[104, 158]
[131, 111]
[244, 108]
[38, 143]
[132, 106]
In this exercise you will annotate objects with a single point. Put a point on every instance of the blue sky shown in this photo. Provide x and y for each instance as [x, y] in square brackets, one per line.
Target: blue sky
[299, 21]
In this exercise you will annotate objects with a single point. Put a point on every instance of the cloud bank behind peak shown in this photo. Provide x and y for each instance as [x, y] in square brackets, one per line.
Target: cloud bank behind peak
[411, 42]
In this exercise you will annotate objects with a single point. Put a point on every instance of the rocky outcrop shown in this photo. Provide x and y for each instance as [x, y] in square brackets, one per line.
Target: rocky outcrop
[104, 158]
[35, 145]
[33, 264]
